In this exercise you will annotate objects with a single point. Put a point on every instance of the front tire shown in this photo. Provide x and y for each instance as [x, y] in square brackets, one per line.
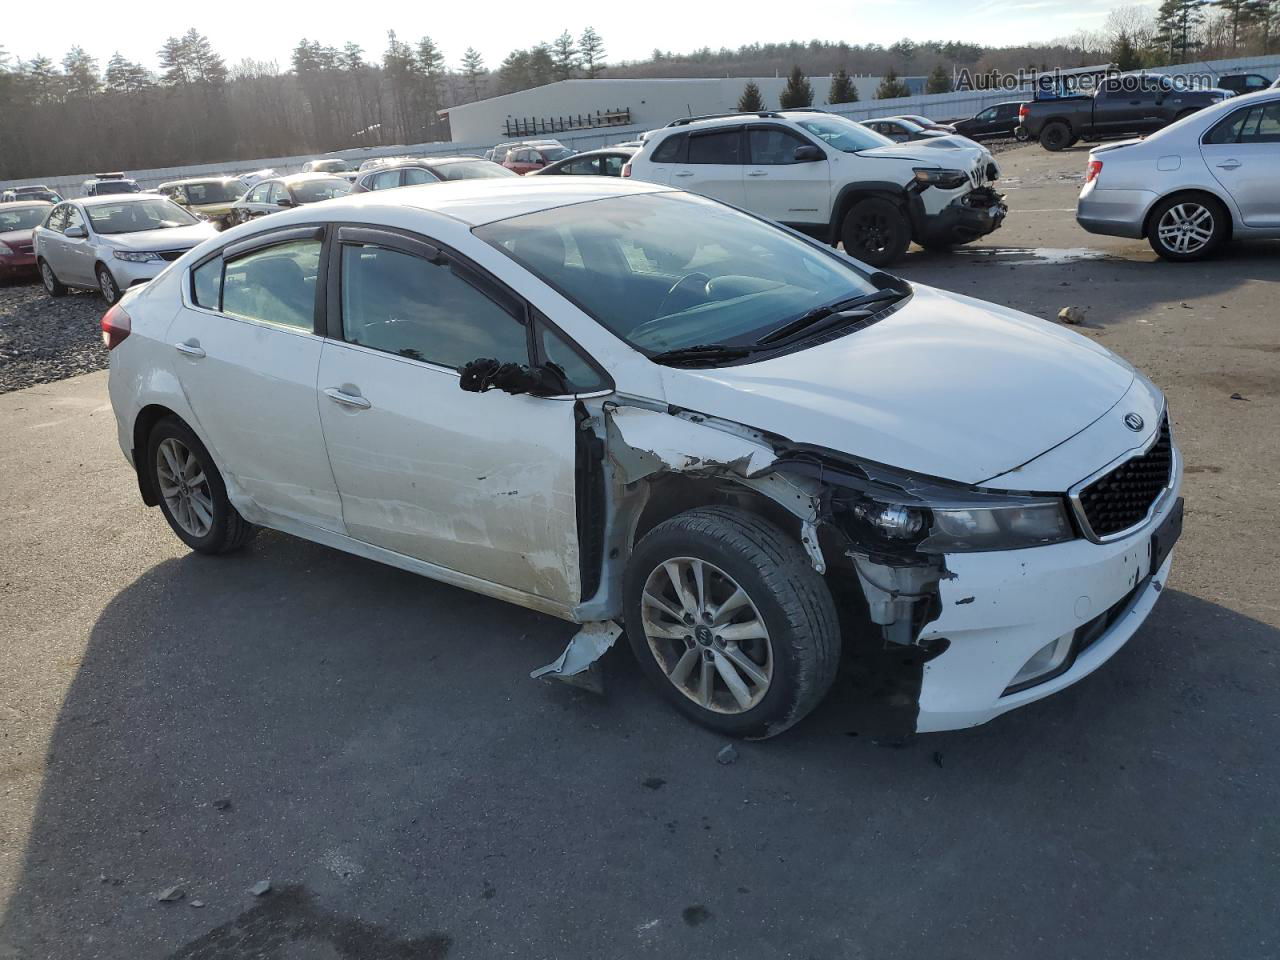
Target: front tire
[727, 617]
[1188, 228]
[107, 285]
[876, 231]
[1056, 136]
[192, 494]
[52, 285]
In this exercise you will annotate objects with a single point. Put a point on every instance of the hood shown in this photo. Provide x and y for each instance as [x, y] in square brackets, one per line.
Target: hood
[950, 150]
[17, 236]
[946, 386]
[173, 238]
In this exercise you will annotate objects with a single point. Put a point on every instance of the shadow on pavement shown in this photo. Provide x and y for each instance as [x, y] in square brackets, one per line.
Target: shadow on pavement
[369, 742]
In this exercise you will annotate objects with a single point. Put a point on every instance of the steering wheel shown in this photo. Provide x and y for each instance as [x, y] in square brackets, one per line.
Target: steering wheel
[676, 288]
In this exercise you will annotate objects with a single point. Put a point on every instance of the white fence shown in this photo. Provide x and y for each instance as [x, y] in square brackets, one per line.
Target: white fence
[939, 106]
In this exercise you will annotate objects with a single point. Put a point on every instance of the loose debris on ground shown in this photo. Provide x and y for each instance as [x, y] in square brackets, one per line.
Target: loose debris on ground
[43, 339]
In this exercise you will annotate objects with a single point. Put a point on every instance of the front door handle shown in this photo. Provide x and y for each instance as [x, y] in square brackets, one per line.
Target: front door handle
[190, 348]
[687, 173]
[1229, 164]
[347, 399]
[758, 173]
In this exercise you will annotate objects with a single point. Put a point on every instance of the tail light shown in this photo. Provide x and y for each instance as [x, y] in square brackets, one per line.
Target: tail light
[115, 327]
[1095, 168]
[626, 169]
[1024, 111]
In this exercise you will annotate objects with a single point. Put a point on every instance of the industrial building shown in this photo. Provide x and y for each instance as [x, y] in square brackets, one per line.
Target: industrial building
[570, 105]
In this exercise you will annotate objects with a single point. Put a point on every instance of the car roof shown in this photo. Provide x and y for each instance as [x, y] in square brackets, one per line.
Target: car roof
[110, 198]
[189, 180]
[30, 188]
[291, 178]
[480, 201]
[601, 151]
[14, 204]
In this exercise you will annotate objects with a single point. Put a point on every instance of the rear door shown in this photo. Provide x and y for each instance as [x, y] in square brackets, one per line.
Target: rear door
[715, 165]
[246, 352]
[1243, 154]
[777, 185]
[482, 484]
[660, 165]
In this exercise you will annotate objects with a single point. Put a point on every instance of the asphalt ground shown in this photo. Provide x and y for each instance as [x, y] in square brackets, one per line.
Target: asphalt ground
[369, 741]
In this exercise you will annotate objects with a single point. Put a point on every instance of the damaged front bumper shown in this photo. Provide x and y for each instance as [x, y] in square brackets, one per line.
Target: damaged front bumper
[1001, 610]
[968, 217]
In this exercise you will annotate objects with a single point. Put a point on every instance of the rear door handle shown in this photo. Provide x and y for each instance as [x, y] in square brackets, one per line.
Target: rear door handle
[190, 348]
[1229, 164]
[347, 399]
[687, 173]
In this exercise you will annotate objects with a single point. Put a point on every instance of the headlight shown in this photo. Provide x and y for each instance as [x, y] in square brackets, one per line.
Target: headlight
[136, 256]
[944, 179]
[5, 250]
[989, 522]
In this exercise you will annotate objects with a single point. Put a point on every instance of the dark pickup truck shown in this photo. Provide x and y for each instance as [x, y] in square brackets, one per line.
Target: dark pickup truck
[1121, 107]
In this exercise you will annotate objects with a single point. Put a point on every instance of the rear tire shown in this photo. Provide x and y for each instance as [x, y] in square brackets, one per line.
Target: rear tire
[1056, 136]
[52, 285]
[875, 231]
[780, 640]
[1188, 227]
[192, 494]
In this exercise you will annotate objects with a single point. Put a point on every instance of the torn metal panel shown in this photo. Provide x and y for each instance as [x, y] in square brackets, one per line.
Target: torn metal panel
[648, 442]
[587, 646]
[801, 496]
[895, 594]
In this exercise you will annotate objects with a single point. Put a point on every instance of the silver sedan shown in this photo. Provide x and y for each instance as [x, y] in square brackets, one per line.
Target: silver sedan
[1194, 185]
[111, 243]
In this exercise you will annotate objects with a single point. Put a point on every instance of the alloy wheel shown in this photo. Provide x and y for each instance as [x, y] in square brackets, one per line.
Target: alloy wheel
[108, 286]
[873, 232]
[1186, 228]
[46, 274]
[707, 635]
[185, 487]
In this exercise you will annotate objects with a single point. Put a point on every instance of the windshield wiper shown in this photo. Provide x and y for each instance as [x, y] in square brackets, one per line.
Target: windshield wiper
[703, 353]
[842, 309]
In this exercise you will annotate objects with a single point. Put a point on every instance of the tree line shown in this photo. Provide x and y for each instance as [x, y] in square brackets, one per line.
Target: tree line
[78, 115]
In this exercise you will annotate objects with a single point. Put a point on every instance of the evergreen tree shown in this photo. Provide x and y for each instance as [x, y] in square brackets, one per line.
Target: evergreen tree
[891, 87]
[1177, 21]
[564, 55]
[797, 92]
[750, 101]
[81, 71]
[473, 69]
[542, 66]
[1239, 13]
[591, 50]
[124, 76]
[939, 80]
[1124, 54]
[842, 89]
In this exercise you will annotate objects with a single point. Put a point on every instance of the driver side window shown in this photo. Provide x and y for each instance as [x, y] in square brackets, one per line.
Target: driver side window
[405, 305]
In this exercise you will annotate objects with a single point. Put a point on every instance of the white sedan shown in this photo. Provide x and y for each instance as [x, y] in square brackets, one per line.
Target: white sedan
[622, 404]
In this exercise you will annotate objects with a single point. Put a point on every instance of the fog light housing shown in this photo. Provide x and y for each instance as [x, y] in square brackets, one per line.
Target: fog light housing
[1044, 663]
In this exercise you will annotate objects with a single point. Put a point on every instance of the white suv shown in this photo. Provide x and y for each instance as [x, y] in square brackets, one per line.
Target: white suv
[832, 179]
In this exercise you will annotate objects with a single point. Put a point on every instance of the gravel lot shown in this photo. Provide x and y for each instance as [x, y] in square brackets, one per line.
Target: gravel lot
[369, 741]
[43, 339]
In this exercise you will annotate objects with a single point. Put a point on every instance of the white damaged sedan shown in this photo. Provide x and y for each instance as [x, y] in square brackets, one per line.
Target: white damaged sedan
[632, 407]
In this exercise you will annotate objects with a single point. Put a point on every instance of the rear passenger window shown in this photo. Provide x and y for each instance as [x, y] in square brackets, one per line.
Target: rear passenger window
[405, 305]
[1231, 129]
[672, 149]
[1263, 125]
[386, 180]
[416, 175]
[721, 147]
[206, 284]
[274, 285]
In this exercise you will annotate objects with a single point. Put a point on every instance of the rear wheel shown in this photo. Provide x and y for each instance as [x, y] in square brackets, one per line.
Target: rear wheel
[1056, 136]
[876, 231]
[107, 285]
[52, 285]
[192, 495]
[727, 617]
[1188, 227]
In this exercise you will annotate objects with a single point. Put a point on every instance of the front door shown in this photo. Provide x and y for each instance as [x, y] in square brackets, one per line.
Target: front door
[779, 187]
[247, 355]
[481, 484]
[1243, 154]
[76, 258]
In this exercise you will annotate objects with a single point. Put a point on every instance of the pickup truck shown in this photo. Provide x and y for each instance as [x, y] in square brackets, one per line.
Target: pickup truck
[1122, 106]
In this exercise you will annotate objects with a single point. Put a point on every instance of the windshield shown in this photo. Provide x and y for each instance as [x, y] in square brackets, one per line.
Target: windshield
[22, 218]
[213, 191]
[843, 134]
[471, 170]
[329, 166]
[665, 271]
[136, 215]
[115, 186]
[552, 154]
[311, 191]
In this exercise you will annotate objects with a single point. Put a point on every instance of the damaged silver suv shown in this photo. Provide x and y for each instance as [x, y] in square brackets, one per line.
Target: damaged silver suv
[625, 405]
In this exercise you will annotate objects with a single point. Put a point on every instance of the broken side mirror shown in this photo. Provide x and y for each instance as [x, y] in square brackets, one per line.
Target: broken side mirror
[547, 380]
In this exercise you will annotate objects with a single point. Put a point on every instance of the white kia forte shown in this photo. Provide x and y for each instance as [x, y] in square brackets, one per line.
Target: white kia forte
[633, 407]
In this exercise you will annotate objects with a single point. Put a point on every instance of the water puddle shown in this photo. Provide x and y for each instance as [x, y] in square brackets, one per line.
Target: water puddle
[1043, 256]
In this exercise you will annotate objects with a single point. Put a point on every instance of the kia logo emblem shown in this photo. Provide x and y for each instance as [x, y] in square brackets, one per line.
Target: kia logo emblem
[1133, 422]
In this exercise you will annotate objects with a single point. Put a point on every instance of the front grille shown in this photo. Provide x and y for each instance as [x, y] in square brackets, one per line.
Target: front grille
[170, 255]
[1123, 498]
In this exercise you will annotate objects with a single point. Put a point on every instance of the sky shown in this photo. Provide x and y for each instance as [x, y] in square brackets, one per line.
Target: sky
[631, 30]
